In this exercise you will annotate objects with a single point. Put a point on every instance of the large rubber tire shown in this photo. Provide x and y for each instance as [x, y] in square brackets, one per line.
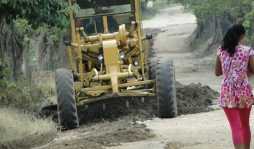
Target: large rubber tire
[166, 88]
[66, 103]
[152, 63]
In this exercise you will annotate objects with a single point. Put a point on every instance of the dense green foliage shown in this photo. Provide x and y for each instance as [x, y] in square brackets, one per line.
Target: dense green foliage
[4, 71]
[204, 9]
[37, 12]
[25, 95]
[241, 10]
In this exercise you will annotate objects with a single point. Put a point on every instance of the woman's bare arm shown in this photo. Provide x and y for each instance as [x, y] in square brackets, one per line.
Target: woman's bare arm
[250, 66]
[218, 69]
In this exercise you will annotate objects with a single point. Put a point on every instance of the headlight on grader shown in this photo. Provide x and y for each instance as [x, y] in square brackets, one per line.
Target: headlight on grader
[100, 58]
[122, 55]
[135, 63]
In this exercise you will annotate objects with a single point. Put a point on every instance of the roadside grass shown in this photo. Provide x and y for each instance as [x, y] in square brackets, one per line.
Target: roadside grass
[177, 145]
[149, 13]
[15, 125]
[25, 96]
[20, 105]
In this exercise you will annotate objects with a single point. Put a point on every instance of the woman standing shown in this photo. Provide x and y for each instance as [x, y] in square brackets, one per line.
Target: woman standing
[235, 62]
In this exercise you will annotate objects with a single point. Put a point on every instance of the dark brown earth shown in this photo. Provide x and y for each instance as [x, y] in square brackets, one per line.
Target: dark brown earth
[193, 98]
[103, 135]
[28, 142]
[117, 123]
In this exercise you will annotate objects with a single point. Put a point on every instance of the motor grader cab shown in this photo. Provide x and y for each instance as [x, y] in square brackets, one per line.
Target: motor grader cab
[108, 63]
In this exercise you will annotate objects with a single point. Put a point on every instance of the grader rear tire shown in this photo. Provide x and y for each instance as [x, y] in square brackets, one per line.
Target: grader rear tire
[66, 103]
[166, 88]
[152, 63]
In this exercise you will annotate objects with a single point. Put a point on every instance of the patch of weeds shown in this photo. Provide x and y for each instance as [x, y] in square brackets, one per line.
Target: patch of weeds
[4, 72]
[179, 145]
[48, 91]
[25, 96]
[20, 120]
[15, 125]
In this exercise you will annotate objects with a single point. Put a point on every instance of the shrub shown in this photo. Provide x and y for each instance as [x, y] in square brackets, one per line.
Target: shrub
[15, 125]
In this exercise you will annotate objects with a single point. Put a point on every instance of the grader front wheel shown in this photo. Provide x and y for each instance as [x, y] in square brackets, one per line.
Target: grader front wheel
[66, 104]
[166, 88]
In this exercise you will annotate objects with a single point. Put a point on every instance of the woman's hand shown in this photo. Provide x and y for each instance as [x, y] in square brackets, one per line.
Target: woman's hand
[249, 71]
[250, 66]
[218, 69]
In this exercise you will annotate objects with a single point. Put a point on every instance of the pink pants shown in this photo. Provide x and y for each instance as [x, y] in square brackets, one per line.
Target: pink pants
[239, 123]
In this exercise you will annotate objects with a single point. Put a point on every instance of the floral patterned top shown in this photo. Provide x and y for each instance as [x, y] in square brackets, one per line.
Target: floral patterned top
[235, 89]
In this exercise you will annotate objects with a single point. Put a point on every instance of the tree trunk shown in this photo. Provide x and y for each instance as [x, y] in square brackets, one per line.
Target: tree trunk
[50, 55]
[1, 73]
[11, 50]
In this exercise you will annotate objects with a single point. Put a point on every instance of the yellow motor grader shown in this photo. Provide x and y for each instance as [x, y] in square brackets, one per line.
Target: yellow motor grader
[111, 63]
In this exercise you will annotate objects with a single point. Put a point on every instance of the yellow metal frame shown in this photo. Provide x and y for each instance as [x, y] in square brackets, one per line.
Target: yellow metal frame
[98, 82]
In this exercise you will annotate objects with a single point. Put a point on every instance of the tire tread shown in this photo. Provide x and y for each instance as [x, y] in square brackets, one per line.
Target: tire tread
[67, 110]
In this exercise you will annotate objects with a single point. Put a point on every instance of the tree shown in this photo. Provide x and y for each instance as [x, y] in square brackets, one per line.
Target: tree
[242, 10]
[4, 71]
[215, 16]
[13, 47]
[37, 12]
[204, 9]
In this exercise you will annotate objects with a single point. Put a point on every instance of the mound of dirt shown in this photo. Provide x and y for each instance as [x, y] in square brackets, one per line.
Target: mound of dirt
[116, 108]
[28, 142]
[101, 136]
[192, 98]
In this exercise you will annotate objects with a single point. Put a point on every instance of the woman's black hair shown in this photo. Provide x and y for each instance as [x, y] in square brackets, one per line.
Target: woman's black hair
[232, 37]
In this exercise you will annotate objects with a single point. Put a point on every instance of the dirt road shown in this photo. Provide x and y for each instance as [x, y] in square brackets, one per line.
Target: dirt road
[193, 131]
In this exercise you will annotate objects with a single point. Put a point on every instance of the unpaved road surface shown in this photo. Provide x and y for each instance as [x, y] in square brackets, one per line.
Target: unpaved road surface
[193, 131]
[173, 30]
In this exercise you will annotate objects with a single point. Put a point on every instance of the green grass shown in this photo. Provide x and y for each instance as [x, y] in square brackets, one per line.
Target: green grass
[19, 110]
[157, 6]
[25, 96]
[20, 105]
[15, 125]
[48, 91]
